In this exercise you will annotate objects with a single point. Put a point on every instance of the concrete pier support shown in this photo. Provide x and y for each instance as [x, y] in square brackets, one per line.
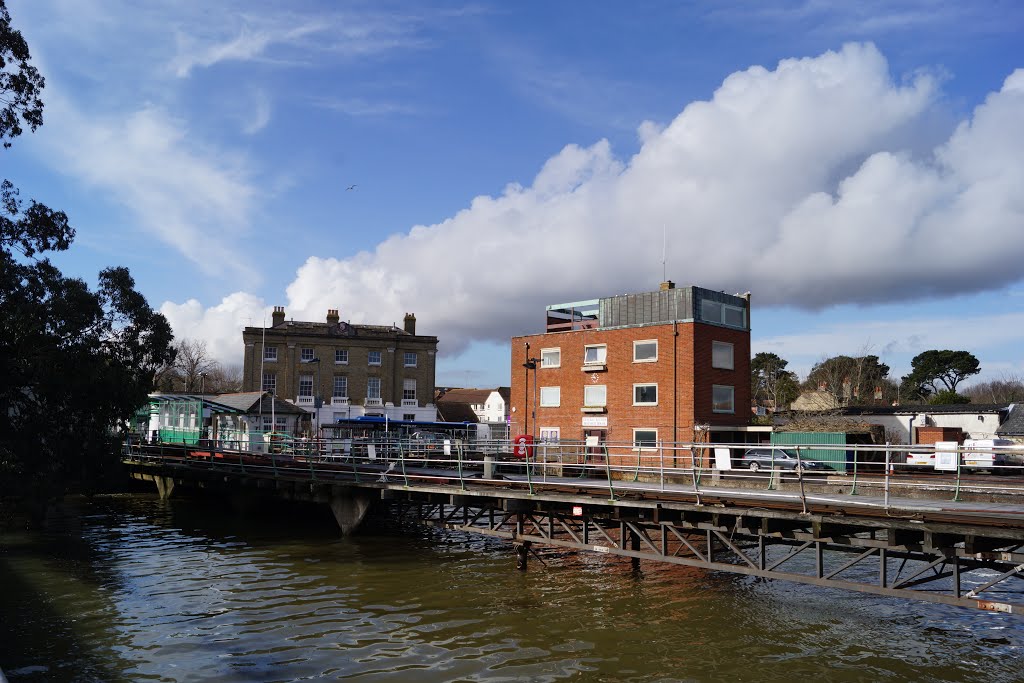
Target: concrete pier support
[164, 487]
[349, 507]
[522, 554]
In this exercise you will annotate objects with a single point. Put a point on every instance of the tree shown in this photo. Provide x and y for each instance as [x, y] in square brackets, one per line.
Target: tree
[74, 363]
[193, 364]
[852, 380]
[20, 83]
[947, 398]
[771, 382]
[932, 371]
[1009, 389]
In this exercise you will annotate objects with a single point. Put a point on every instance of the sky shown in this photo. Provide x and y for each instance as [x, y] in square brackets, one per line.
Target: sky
[857, 167]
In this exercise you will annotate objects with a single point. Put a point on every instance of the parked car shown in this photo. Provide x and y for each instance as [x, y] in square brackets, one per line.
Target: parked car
[756, 459]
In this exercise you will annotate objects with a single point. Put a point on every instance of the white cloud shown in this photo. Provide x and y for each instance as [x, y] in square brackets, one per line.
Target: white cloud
[789, 182]
[221, 325]
[194, 197]
[260, 114]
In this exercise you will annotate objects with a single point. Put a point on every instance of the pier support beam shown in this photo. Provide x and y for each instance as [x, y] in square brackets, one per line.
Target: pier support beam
[164, 487]
[522, 554]
[349, 507]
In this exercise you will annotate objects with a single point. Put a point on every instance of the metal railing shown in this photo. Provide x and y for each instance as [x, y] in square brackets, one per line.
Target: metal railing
[874, 474]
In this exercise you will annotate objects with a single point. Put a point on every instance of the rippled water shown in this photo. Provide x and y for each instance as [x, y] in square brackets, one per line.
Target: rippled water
[133, 589]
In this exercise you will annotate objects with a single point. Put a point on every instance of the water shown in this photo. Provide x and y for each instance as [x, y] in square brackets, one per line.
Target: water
[129, 588]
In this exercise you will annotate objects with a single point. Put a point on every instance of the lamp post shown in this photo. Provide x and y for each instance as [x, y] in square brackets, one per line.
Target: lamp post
[531, 364]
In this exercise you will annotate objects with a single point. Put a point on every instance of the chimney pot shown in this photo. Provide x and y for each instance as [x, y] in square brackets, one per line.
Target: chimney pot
[278, 317]
[410, 323]
[667, 285]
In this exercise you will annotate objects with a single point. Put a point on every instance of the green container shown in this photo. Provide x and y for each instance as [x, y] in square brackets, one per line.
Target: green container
[839, 459]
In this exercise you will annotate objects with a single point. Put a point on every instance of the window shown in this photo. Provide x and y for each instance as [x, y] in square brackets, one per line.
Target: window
[550, 358]
[268, 424]
[722, 399]
[550, 397]
[305, 385]
[645, 351]
[410, 359]
[721, 355]
[340, 386]
[341, 356]
[338, 417]
[645, 394]
[281, 423]
[595, 395]
[645, 438]
[306, 355]
[373, 387]
[270, 353]
[550, 434]
[269, 381]
[409, 390]
[409, 417]
[723, 314]
[595, 355]
[374, 358]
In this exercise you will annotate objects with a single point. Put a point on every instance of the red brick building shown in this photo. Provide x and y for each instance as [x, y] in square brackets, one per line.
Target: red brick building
[640, 368]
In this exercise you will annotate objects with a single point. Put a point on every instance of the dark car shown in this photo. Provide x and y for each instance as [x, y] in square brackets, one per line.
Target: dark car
[756, 459]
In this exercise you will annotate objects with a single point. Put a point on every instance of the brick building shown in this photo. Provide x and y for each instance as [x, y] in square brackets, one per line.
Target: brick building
[665, 366]
[345, 370]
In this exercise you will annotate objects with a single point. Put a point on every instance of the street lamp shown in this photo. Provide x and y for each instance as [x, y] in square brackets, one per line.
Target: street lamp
[531, 364]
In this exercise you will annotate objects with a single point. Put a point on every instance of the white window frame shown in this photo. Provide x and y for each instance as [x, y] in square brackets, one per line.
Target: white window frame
[588, 402]
[306, 354]
[334, 389]
[732, 398]
[372, 392]
[546, 394]
[341, 356]
[550, 434]
[645, 403]
[306, 381]
[637, 446]
[723, 346]
[639, 342]
[409, 389]
[270, 354]
[602, 353]
[406, 358]
[272, 384]
[547, 354]
[370, 355]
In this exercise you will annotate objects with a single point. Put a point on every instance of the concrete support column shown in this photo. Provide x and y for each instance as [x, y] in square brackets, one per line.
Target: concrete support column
[349, 508]
[522, 554]
[164, 487]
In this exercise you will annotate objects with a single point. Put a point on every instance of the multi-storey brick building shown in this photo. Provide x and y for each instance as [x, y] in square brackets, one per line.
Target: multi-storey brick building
[666, 366]
[345, 370]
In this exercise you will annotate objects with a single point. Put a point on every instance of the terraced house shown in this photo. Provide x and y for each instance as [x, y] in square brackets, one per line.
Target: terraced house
[336, 369]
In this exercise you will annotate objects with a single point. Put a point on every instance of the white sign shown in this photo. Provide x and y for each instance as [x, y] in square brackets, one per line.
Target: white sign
[946, 455]
[723, 459]
[595, 421]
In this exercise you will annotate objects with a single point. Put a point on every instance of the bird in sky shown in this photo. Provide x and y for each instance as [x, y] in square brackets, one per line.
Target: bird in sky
[350, 187]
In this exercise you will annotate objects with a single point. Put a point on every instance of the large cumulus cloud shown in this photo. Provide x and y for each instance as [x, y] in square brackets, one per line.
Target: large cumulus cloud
[802, 184]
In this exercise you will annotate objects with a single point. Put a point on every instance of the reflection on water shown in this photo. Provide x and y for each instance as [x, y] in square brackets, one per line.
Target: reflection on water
[133, 589]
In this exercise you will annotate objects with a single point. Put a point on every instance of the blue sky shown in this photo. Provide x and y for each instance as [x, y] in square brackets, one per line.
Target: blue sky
[856, 166]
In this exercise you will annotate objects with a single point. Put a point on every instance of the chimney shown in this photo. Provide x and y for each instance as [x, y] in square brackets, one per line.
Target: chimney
[410, 323]
[667, 285]
[278, 317]
[332, 316]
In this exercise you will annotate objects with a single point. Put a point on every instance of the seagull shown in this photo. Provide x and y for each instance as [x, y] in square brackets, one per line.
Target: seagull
[350, 187]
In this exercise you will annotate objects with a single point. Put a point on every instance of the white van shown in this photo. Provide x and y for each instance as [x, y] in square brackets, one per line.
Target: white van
[989, 453]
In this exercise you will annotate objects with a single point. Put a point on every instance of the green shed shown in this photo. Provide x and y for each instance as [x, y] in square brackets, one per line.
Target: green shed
[837, 458]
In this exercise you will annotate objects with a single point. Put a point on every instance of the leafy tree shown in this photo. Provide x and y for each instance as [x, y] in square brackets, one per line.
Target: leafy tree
[934, 371]
[851, 380]
[948, 398]
[770, 381]
[74, 363]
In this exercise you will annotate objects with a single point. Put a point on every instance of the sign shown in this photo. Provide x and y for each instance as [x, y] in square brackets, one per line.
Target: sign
[723, 459]
[595, 421]
[946, 455]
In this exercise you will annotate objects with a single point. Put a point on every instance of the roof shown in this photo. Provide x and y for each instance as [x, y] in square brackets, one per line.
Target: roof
[339, 329]
[208, 401]
[455, 411]
[475, 396]
[938, 409]
[250, 402]
[1014, 424]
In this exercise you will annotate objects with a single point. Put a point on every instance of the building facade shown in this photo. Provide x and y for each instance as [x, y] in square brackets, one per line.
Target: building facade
[338, 370]
[660, 367]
